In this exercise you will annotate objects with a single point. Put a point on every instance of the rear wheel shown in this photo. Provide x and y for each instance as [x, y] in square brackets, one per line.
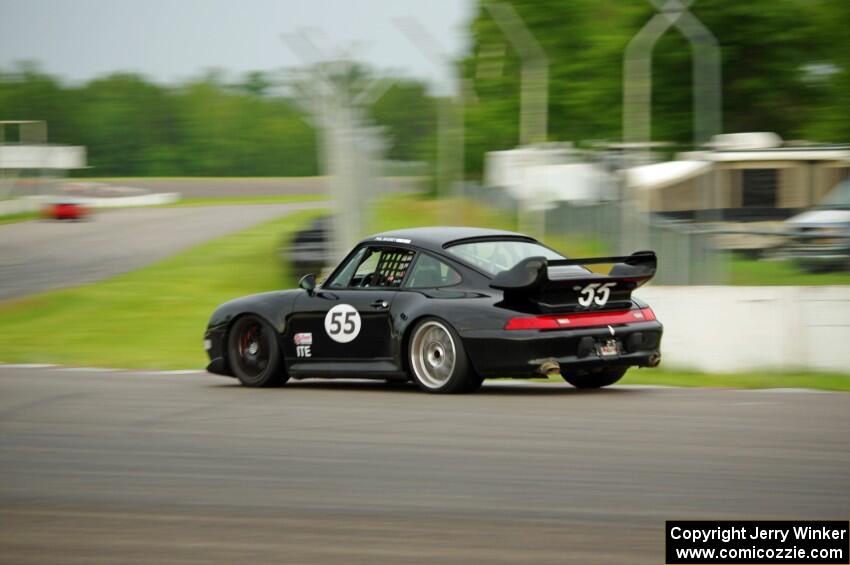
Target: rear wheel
[254, 354]
[438, 360]
[596, 378]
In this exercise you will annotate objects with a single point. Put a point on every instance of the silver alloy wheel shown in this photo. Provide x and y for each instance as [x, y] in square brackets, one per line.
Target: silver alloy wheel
[432, 354]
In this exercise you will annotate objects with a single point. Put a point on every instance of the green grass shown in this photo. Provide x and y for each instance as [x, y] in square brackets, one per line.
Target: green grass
[751, 272]
[153, 317]
[747, 380]
[755, 379]
[232, 201]
[410, 211]
[20, 217]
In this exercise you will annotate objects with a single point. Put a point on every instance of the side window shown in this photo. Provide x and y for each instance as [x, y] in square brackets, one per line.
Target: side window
[342, 279]
[375, 267]
[391, 268]
[429, 272]
[367, 267]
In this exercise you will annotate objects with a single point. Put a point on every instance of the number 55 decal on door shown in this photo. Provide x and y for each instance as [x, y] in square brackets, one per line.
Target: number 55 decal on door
[342, 323]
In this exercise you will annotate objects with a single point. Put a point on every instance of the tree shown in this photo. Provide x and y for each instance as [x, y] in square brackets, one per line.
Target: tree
[772, 52]
[203, 127]
[765, 47]
[831, 76]
[409, 116]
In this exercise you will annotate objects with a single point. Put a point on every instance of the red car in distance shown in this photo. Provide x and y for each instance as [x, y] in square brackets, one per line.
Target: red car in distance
[66, 209]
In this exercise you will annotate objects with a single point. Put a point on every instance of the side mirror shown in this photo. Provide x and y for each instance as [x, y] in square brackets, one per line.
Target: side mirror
[308, 283]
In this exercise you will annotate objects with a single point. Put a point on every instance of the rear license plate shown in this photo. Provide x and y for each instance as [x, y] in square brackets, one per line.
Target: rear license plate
[609, 348]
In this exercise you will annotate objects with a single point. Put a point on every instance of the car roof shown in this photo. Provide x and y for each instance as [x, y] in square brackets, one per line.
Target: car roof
[436, 238]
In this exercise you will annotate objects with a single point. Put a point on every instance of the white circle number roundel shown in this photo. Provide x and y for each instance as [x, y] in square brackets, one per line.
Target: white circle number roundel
[342, 323]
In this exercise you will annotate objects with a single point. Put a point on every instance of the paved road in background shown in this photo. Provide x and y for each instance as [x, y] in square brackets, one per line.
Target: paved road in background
[226, 187]
[106, 467]
[41, 255]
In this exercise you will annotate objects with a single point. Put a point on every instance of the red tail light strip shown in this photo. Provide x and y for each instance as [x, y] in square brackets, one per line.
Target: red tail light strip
[580, 320]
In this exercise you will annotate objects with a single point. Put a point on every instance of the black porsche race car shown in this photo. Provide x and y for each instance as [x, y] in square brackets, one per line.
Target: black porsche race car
[445, 307]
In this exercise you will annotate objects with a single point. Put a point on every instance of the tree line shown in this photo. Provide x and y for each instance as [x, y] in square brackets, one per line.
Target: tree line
[132, 126]
[785, 68]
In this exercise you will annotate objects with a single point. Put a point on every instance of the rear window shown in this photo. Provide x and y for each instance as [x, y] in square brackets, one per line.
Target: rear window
[500, 255]
[429, 272]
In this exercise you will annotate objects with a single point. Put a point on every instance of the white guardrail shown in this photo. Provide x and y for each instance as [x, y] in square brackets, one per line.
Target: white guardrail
[35, 203]
[719, 329]
[152, 199]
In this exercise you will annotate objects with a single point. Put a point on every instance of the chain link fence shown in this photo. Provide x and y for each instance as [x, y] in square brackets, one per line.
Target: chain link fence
[686, 256]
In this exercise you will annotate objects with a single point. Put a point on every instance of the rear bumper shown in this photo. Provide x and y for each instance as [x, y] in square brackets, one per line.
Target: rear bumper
[520, 353]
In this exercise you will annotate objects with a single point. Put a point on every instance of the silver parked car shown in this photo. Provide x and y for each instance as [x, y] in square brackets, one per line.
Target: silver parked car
[820, 237]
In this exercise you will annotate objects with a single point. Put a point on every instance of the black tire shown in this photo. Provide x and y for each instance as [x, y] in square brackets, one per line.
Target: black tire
[253, 353]
[437, 359]
[474, 381]
[596, 378]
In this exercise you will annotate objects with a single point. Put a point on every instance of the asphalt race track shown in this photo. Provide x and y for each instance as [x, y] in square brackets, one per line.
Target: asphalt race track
[41, 255]
[227, 187]
[255, 186]
[106, 467]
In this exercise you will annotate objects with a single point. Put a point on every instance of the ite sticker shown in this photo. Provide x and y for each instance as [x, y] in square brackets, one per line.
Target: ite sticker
[303, 343]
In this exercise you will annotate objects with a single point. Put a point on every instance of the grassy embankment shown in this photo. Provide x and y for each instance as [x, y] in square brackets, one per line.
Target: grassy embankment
[154, 317]
[749, 272]
[401, 211]
[20, 217]
[255, 200]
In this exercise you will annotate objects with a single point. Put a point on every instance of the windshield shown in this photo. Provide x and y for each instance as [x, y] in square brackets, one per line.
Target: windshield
[838, 198]
[497, 256]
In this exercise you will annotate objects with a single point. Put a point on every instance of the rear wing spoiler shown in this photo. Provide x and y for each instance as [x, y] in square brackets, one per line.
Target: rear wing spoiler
[560, 285]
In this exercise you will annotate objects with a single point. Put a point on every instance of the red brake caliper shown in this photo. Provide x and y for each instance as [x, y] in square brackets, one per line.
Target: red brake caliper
[246, 339]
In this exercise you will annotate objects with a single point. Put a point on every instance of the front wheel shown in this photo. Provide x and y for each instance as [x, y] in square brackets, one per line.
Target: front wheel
[438, 360]
[596, 378]
[253, 353]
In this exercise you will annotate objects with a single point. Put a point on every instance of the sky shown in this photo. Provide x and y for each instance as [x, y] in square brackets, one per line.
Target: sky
[172, 40]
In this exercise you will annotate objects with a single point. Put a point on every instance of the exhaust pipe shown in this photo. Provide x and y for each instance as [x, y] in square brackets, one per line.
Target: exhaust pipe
[549, 368]
[654, 359]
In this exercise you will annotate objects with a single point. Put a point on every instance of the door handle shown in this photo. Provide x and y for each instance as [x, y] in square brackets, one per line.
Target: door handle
[381, 303]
